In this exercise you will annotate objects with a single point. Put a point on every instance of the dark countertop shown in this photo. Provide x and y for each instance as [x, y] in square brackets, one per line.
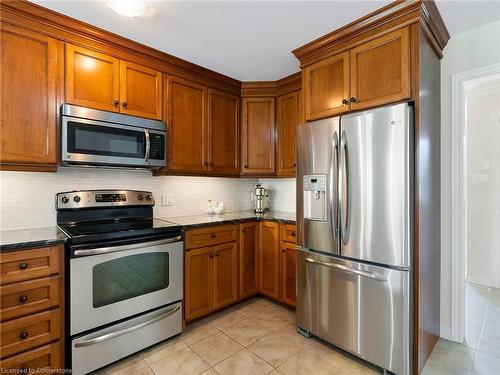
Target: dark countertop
[31, 237]
[48, 236]
[230, 217]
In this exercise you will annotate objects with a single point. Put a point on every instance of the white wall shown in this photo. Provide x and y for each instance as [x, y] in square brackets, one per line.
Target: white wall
[27, 199]
[465, 51]
[483, 185]
[282, 192]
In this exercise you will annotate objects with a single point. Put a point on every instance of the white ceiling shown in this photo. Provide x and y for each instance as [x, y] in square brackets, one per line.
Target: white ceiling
[249, 40]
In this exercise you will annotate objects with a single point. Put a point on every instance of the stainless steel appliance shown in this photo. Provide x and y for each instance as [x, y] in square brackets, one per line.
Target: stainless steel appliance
[262, 200]
[125, 275]
[98, 138]
[353, 233]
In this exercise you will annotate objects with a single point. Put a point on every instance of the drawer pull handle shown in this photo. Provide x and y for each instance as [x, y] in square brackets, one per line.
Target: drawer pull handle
[213, 235]
[23, 266]
[23, 298]
[24, 335]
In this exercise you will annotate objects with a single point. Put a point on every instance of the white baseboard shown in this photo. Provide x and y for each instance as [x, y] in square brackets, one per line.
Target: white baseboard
[481, 280]
[445, 332]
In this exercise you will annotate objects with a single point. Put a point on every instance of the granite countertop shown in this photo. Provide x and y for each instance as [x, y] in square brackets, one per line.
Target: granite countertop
[230, 217]
[31, 237]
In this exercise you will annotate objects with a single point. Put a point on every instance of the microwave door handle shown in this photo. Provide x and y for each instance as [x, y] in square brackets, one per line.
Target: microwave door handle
[148, 144]
[112, 335]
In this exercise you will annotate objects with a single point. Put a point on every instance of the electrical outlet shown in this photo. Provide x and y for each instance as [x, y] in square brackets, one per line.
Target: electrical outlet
[167, 199]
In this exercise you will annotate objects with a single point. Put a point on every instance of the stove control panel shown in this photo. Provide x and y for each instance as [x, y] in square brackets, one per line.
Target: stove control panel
[103, 198]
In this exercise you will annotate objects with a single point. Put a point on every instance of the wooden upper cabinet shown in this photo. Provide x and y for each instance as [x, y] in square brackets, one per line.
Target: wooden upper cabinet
[225, 274]
[249, 259]
[380, 70]
[325, 85]
[92, 79]
[258, 136]
[223, 125]
[288, 119]
[30, 66]
[186, 122]
[198, 282]
[269, 259]
[140, 91]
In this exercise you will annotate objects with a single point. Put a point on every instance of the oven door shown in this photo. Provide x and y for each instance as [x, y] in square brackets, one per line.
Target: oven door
[100, 143]
[111, 283]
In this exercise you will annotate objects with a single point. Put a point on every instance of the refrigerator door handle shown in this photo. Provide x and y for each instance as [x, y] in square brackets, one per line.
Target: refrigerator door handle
[344, 190]
[370, 275]
[334, 204]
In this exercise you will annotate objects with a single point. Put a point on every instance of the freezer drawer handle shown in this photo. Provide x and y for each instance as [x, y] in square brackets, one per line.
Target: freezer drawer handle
[112, 249]
[370, 275]
[112, 335]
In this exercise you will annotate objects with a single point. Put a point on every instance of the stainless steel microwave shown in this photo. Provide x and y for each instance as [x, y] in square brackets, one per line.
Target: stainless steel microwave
[99, 138]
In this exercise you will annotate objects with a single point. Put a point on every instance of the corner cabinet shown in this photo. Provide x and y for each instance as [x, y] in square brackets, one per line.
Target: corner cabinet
[288, 118]
[100, 81]
[187, 125]
[373, 73]
[249, 259]
[258, 136]
[269, 270]
[32, 68]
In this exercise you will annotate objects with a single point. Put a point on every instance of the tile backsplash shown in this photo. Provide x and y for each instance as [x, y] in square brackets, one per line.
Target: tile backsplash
[27, 199]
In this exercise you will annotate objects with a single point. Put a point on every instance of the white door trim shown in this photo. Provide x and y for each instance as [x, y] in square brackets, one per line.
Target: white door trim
[459, 195]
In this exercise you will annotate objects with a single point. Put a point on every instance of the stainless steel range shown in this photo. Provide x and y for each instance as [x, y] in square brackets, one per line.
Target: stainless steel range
[125, 275]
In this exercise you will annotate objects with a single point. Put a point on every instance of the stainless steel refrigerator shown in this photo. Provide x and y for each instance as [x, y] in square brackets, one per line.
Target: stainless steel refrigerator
[354, 216]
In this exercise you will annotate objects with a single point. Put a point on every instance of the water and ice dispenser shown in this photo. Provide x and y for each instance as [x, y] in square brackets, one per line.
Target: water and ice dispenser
[315, 199]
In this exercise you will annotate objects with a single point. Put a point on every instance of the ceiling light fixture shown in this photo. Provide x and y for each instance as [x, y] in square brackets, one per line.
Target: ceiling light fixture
[128, 8]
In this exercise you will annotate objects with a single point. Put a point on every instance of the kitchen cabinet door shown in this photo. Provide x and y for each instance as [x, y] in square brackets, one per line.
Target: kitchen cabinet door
[380, 70]
[325, 87]
[249, 259]
[288, 272]
[258, 136]
[269, 259]
[30, 66]
[198, 282]
[92, 79]
[288, 120]
[186, 122]
[140, 91]
[225, 266]
[223, 125]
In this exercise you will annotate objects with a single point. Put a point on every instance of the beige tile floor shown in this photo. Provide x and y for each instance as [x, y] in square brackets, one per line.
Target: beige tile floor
[480, 352]
[255, 337]
[259, 337]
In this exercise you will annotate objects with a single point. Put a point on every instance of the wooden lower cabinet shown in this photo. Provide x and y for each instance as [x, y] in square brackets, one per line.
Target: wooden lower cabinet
[225, 275]
[288, 271]
[211, 279]
[249, 259]
[32, 308]
[269, 259]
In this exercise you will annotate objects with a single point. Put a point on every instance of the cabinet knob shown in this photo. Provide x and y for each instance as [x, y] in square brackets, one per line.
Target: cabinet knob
[125, 105]
[345, 101]
[283, 251]
[353, 99]
[213, 235]
[116, 102]
[23, 266]
[216, 253]
[23, 298]
[24, 335]
[211, 255]
[246, 166]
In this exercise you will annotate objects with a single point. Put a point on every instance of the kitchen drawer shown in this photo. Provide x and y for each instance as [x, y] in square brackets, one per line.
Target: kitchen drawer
[288, 233]
[48, 356]
[209, 236]
[25, 333]
[30, 264]
[27, 297]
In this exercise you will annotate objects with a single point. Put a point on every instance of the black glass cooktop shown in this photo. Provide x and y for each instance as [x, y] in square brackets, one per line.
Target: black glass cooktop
[114, 229]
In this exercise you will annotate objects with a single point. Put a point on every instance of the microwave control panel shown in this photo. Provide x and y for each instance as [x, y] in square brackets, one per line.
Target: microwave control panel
[157, 146]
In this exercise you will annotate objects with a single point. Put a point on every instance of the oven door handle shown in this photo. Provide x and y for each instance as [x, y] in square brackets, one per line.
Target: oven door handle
[113, 249]
[112, 335]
